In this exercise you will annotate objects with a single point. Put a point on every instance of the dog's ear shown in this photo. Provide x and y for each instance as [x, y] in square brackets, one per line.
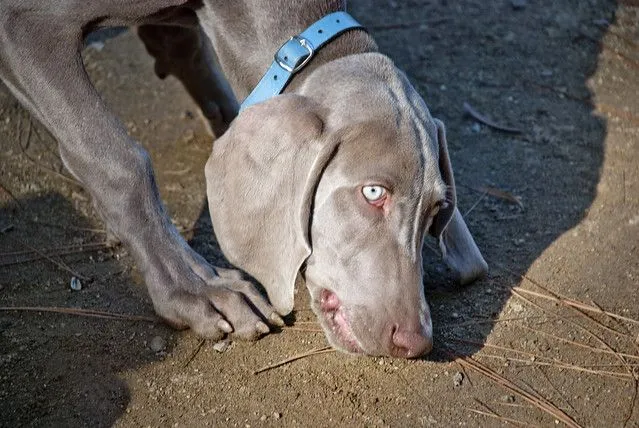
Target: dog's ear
[261, 180]
[457, 245]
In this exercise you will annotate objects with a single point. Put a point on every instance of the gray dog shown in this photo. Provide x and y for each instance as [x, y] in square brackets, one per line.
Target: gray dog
[334, 182]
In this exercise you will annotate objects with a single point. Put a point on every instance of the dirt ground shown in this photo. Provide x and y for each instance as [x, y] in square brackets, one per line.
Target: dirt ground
[564, 73]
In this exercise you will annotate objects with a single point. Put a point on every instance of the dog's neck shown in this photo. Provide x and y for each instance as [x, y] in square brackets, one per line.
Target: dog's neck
[246, 35]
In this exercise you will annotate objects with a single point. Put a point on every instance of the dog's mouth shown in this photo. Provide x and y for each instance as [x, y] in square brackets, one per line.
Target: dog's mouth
[335, 319]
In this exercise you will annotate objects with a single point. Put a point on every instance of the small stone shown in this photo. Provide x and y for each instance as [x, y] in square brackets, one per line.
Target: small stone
[517, 308]
[221, 346]
[75, 285]
[97, 45]
[475, 127]
[189, 136]
[519, 4]
[508, 398]
[263, 418]
[158, 344]
[458, 379]
[277, 415]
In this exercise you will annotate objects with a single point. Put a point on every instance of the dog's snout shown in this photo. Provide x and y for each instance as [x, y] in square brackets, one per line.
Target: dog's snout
[409, 343]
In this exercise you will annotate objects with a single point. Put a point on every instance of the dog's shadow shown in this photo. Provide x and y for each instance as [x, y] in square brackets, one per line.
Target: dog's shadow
[62, 369]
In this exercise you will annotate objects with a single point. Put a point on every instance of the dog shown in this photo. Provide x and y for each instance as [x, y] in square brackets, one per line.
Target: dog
[334, 182]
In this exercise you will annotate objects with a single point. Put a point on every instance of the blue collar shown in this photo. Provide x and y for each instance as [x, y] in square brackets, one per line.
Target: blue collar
[296, 53]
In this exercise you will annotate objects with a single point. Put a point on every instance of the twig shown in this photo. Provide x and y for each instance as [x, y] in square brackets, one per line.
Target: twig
[534, 359]
[495, 192]
[79, 312]
[483, 119]
[33, 161]
[605, 47]
[501, 418]
[404, 25]
[307, 330]
[5, 190]
[615, 111]
[481, 198]
[555, 389]
[194, 353]
[50, 249]
[61, 253]
[631, 372]
[539, 402]
[566, 366]
[501, 194]
[59, 264]
[494, 321]
[65, 227]
[582, 345]
[317, 351]
[561, 92]
[556, 297]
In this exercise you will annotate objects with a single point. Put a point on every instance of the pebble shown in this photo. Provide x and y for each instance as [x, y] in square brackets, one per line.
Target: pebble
[98, 46]
[458, 379]
[221, 346]
[277, 415]
[519, 4]
[157, 344]
[508, 398]
[188, 136]
[75, 285]
[517, 308]
[475, 127]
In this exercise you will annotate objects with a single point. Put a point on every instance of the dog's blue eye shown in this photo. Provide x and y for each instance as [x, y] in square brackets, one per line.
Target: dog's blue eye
[373, 193]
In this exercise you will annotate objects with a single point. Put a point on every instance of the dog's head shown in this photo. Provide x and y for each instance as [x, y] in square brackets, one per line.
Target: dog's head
[340, 184]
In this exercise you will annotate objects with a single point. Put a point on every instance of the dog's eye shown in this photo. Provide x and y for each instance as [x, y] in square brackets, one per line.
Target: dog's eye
[374, 194]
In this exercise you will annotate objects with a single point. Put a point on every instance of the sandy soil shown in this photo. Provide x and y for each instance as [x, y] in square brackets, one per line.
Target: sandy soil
[562, 72]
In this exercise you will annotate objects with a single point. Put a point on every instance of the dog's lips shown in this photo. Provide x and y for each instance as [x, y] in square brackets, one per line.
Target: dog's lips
[335, 320]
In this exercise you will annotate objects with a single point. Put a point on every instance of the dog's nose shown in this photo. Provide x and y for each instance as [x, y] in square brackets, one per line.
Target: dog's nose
[410, 344]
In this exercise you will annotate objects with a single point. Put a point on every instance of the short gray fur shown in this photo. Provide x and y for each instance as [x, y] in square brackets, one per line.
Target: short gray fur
[284, 180]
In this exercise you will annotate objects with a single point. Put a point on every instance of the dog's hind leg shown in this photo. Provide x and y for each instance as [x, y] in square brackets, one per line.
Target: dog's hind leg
[184, 52]
[41, 64]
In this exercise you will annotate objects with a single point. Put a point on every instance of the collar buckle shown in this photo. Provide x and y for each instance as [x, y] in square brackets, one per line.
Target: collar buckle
[294, 54]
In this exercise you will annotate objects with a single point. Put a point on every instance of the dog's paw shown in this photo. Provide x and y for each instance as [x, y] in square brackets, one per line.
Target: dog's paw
[212, 306]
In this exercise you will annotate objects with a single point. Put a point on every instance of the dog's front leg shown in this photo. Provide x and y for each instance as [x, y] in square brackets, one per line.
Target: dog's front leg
[40, 63]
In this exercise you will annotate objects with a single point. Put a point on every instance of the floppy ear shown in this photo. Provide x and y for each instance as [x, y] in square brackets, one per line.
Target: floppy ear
[261, 179]
[457, 245]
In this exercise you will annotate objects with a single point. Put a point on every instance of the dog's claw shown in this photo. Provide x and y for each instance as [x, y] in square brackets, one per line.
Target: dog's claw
[224, 326]
[276, 319]
[262, 327]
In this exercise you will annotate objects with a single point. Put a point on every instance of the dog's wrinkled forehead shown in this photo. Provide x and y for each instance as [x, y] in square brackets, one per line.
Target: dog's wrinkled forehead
[398, 150]
[382, 115]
